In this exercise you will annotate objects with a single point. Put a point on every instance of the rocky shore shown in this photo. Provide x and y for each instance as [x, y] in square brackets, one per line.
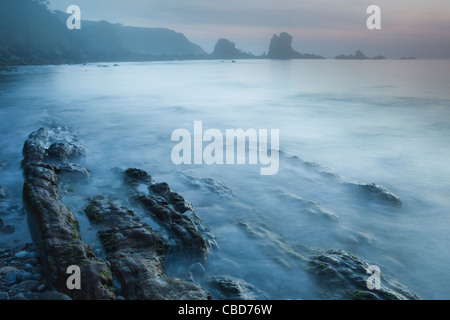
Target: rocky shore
[138, 261]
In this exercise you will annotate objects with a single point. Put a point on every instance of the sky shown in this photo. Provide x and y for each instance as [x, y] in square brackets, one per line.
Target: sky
[419, 28]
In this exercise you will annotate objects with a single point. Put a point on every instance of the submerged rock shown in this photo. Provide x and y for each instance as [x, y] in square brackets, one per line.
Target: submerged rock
[136, 254]
[230, 288]
[55, 229]
[380, 192]
[308, 206]
[214, 186]
[344, 276]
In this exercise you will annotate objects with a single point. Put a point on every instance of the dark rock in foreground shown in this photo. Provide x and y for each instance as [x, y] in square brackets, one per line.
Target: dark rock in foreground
[345, 276]
[54, 228]
[136, 254]
[191, 238]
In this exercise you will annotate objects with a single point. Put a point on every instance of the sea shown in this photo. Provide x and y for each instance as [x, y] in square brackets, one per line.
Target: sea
[341, 123]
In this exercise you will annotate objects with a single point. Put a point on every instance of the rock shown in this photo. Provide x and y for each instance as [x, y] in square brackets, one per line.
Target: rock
[193, 240]
[28, 285]
[3, 192]
[136, 254]
[344, 276]
[21, 246]
[53, 227]
[177, 200]
[12, 277]
[211, 184]
[278, 249]
[358, 56]
[4, 295]
[32, 261]
[28, 267]
[225, 49]
[379, 192]
[7, 269]
[41, 288]
[65, 152]
[280, 48]
[230, 288]
[134, 177]
[74, 172]
[53, 295]
[19, 296]
[22, 254]
[16, 276]
[307, 206]
[34, 149]
[36, 276]
[9, 228]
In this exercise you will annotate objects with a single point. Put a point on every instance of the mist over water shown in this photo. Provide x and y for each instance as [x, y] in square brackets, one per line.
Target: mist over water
[341, 123]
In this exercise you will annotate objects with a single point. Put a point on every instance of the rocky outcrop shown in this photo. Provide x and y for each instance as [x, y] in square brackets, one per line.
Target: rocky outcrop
[53, 227]
[344, 276]
[136, 254]
[358, 56]
[225, 49]
[281, 48]
[138, 260]
[191, 238]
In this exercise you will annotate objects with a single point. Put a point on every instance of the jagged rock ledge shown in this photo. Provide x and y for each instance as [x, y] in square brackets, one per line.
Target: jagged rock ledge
[345, 276]
[192, 239]
[136, 254]
[53, 227]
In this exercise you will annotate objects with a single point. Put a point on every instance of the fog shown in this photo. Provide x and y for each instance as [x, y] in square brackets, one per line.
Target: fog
[341, 124]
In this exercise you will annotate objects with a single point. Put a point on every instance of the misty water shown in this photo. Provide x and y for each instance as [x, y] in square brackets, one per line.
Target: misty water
[341, 123]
